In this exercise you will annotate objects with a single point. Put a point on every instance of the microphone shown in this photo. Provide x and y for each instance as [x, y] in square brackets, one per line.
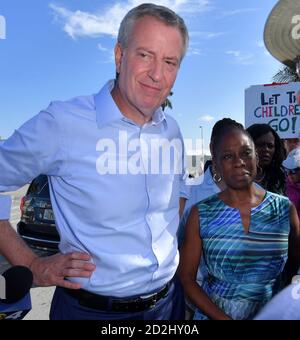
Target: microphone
[15, 301]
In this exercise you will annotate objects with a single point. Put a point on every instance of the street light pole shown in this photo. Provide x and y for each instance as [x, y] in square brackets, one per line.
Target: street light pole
[202, 144]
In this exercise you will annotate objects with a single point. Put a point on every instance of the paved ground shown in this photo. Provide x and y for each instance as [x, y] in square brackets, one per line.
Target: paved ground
[41, 297]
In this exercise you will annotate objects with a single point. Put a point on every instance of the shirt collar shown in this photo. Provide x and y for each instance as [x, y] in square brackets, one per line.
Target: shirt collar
[158, 116]
[107, 111]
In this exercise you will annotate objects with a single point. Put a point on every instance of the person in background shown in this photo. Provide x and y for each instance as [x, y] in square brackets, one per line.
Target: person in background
[243, 233]
[292, 168]
[271, 153]
[291, 144]
[118, 250]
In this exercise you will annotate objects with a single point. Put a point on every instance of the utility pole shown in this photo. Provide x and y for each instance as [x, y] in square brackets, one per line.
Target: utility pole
[202, 145]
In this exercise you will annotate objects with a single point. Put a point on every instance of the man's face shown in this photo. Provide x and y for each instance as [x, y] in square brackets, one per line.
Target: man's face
[147, 68]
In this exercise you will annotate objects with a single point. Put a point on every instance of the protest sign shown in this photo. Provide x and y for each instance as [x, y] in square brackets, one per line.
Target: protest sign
[277, 105]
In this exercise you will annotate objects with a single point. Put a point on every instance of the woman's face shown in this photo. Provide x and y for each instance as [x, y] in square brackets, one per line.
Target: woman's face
[294, 175]
[236, 160]
[265, 147]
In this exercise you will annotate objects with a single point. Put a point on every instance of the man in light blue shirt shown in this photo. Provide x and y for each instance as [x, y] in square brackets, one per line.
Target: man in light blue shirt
[115, 171]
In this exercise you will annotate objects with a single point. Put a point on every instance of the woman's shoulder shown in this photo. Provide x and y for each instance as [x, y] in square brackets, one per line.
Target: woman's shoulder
[279, 201]
[277, 197]
[209, 201]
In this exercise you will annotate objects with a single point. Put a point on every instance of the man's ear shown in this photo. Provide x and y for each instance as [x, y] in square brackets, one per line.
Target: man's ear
[118, 57]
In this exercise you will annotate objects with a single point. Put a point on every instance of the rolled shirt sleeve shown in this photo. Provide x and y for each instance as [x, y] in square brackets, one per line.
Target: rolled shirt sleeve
[34, 149]
[5, 207]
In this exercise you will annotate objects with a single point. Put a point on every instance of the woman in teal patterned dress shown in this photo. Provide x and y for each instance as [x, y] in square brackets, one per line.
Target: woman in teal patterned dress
[244, 232]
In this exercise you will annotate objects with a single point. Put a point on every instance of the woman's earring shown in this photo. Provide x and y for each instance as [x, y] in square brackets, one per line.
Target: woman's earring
[217, 179]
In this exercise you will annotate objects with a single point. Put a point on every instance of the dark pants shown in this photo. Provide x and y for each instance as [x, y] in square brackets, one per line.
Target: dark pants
[170, 307]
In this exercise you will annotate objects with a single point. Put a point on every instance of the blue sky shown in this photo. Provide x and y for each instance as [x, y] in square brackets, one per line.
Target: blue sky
[59, 49]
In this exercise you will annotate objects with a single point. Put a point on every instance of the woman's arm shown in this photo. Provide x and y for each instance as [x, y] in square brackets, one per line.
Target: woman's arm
[190, 255]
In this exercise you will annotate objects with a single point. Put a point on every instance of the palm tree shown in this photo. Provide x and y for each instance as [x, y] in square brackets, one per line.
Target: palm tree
[286, 75]
[167, 103]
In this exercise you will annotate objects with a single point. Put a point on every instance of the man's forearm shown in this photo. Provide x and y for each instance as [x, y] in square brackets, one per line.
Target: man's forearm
[13, 248]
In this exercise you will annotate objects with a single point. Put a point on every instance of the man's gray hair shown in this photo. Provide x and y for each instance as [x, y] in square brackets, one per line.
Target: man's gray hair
[161, 13]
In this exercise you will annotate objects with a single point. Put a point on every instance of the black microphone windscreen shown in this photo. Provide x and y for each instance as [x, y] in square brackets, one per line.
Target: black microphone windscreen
[19, 280]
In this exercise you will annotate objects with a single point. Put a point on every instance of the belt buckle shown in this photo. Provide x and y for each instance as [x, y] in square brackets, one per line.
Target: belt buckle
[149, 300]
[153, 301]
[153, 295]
[140, 303]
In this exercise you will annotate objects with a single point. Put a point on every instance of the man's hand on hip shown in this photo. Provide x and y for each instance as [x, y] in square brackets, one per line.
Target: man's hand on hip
[54, 270]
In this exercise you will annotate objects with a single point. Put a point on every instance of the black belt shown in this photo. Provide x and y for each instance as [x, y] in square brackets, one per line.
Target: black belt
[106, 303]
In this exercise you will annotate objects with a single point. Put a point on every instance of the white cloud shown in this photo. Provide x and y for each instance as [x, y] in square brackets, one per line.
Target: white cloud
[206, 35]
[206, 118]
[213, 35]
[241, 58]
[192, 51]
[234, 53]
[103, 49]
[237, 12]
[79, 23]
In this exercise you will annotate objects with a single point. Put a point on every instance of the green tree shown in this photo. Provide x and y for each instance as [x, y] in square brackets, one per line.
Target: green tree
[167, 103]
[286, 74]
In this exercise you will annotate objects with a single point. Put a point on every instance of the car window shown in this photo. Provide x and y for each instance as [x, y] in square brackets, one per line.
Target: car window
[39, 186]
